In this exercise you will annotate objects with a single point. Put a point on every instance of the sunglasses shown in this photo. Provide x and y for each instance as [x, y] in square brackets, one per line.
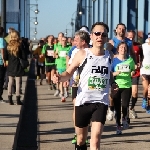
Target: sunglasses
[103, 34]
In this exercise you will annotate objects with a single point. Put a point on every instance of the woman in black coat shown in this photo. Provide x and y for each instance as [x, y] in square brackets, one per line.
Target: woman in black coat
[14, 53]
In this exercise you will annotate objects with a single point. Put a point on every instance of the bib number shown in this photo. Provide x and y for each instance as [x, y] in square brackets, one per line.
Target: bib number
[62, 54]
[50, 53]
[124, 68]
[97, 83]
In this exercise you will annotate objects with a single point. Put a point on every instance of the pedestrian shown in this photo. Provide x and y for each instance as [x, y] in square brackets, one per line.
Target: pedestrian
[15, 52]
[2, 62]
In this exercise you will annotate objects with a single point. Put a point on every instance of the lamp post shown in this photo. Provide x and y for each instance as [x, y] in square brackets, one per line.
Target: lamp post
[36, 11]
[36, 22]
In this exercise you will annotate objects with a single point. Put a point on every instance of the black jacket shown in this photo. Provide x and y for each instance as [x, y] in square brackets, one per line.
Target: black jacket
[14, 68]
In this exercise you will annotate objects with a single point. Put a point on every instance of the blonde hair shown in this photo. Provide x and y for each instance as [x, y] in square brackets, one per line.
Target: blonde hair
[14, 43]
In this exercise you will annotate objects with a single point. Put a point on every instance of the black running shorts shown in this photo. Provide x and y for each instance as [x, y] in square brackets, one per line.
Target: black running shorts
[135, 80]
[49, 68]
[95, 112]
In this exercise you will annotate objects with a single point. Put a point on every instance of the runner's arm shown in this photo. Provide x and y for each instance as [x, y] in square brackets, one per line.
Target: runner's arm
[132, 54]
[79, 56]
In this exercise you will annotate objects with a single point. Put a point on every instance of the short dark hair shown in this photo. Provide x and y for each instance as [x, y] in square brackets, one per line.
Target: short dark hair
[101, 24]
[132, 31]
[149, 33]
[122, 25]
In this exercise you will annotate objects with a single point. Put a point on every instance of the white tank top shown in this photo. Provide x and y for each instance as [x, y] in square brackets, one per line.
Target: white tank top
[94, 79]
[145, 68]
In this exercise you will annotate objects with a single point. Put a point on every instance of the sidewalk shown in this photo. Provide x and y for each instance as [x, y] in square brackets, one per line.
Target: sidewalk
[9, 117]
[56, 128]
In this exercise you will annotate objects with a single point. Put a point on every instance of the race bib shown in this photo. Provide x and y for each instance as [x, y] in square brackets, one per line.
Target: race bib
[62, 54]
[50, 53]
[97, 83]
[124, 68]
[146, 66]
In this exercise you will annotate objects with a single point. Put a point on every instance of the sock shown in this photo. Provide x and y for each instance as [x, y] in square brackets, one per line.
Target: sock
[134, 100]
[81, 147]
[112, 108]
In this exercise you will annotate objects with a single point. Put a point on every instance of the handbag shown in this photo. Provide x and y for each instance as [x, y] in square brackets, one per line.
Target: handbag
[24, 63]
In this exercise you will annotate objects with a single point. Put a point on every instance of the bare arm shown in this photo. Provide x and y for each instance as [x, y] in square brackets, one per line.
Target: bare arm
[73, 67]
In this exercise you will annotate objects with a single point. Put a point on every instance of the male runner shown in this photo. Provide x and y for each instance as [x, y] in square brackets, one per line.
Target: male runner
[82, 39]
[145, 72]
[135, 78]
[60, 54]
[91, 103]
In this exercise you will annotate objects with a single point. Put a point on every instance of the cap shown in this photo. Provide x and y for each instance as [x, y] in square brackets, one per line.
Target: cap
[84, 29]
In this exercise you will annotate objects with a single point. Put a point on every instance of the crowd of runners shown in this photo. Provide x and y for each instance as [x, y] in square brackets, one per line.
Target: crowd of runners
[103, 75]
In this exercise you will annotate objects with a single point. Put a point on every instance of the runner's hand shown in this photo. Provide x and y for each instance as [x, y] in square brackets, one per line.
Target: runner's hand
[56, 78]
[114, 88]
[132, 73]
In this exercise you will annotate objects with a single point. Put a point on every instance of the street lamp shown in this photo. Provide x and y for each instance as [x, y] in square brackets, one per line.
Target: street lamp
[36, 11]
[36, 22]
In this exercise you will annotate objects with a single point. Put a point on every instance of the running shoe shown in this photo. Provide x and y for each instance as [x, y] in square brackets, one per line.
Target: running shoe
[74, 140]
[118, 130]
[56, 93]
[125, 123]
[110, 115]
[144, 104]
[87, 141]
[133, 113]
[148, 109]
[1, 100]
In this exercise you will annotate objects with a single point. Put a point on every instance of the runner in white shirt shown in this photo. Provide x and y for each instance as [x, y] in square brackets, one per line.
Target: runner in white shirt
[92, 100]
[145, 72]
[82, 42]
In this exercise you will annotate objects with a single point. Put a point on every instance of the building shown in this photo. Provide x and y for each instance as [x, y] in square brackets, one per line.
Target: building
[133, 13]
[16, 14]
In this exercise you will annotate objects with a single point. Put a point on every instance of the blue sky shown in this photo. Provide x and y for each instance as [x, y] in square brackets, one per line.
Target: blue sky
[54, 16]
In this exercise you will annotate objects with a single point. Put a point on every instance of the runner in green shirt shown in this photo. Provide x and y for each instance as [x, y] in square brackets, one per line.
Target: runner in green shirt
[48, 52]
[123, 69]
[61, 54]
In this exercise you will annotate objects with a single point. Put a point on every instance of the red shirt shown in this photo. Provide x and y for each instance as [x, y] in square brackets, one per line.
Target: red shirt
[138, 53]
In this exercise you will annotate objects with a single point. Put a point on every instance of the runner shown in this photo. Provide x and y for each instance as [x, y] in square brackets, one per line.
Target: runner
[60, 54]
[40, 62]
[56, 46]
[120, 33]
[82, 39]
[92, 95]
[123, 69]
[48, 52]
[135, 78]
[145, 72]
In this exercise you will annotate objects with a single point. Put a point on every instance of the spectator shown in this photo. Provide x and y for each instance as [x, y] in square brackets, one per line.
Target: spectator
[15, 52]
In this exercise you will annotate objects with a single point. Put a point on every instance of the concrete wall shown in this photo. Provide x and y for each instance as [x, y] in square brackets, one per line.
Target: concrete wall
[113, 12]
